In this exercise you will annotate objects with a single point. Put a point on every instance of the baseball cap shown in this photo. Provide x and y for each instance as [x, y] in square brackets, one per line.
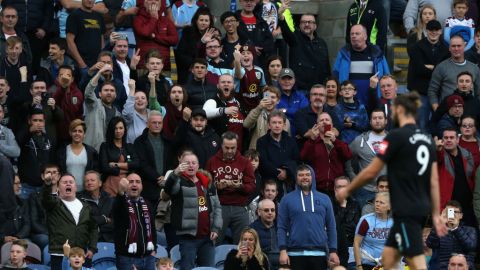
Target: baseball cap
[433, 25]
[287, 72]
[199, 112]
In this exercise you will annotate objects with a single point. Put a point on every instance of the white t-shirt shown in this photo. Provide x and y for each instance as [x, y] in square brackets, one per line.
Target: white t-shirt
[126, 74]
[75, 207]
[374, 141]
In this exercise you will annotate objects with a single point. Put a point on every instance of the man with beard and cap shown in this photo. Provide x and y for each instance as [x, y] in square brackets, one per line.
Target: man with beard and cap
[306, 215]
[224, 111]
[452, 118]
[198, 136]
[364, 148]
[105, 58]
[135, 235]
[409, 154]
[67, 219]
[99, 111]
[235, 180]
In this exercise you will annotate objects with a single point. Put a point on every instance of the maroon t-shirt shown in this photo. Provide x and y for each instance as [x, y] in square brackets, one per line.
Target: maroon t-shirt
[203, 226]
[235, 123]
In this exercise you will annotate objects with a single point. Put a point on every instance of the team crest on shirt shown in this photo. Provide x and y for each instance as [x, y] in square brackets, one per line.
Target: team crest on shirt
[382, 148]
[74, 100]
[258, 75]
[214, 144]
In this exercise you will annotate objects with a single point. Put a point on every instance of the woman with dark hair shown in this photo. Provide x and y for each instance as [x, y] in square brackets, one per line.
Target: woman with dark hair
[194, 36]
[332, 86]
[117, 157]
[176, 110]
[77, 157]
[274, 65]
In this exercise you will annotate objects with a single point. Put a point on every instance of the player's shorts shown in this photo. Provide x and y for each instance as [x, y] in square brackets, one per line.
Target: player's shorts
[406, 235]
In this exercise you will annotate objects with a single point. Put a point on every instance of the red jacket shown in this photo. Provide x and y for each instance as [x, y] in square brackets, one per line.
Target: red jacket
[327, 166]
[71, 103]
[238, 169]
[446, 173]
[165, 35]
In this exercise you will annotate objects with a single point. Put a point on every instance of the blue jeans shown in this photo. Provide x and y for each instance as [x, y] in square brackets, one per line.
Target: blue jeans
[424, 113]
[145, 263]
[201, 251]
[27, 190]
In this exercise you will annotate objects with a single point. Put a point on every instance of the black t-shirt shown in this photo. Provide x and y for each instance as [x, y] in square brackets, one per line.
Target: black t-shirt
[361, 64]
[408, 154]
[88, 28]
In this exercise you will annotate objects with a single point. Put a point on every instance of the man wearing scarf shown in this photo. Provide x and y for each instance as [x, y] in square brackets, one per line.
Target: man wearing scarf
[135, 235]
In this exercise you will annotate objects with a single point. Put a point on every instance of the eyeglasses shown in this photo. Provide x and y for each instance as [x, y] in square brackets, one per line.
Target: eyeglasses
[307, 22]
[468, 126]
[266, 210]
[212, 47]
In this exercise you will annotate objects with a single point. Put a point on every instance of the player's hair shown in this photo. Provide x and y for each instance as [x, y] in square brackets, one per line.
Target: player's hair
[410, 102]
[464, 73]
[277, 113]
[458, 2]
[382, 178]
[21, 242]
[76, 251]
[251, 154]
[229, 135]
[454, 203]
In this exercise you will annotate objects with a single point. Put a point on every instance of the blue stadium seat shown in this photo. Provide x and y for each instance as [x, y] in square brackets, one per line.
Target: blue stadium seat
[161, 252]
[221, 253]
[46, 256]
[204, 268]
[38, 267]
[105, 257]
[175, 256]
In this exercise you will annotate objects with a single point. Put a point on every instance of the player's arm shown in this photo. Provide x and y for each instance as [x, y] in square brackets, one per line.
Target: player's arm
[366, 175]
[440, 227]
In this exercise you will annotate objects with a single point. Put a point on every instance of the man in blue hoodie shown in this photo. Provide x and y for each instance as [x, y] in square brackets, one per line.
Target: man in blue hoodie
[310, 226]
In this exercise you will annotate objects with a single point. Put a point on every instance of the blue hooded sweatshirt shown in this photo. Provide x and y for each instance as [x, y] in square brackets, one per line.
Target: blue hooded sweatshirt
[308, 219]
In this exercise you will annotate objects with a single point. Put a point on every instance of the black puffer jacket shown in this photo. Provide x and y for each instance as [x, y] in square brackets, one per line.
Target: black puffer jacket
[17, 222]
[38, 215]
[32, 14]
[199, 92]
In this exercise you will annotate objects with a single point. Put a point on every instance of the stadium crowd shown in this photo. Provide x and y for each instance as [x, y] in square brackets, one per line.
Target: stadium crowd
[145, 122]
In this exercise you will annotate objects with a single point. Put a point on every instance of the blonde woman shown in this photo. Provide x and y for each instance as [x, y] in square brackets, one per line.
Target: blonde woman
[249, 254]
[426, 14]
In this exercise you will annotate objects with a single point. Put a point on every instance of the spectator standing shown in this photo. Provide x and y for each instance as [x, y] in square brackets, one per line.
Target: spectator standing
[459, 239]
[183, 11]
[4, 102]
[37, 150]
[468, 138]
[443, 11]
[8, 145]
[325, 146]
[444, 77]
[196, 212]
[217, 65]
[50, 65]
[426, 14]
[100, 203]
[310, 226]
[372, 15]
[308, 54]
[134, 230]
[235, 181]
[232, 38]
[85, 29]
[253, 79]
[76, 158]
[460, 25]
[473, 54]
[68, 218]
[176, 108]
[198, 88]
[124, 68]
[458, 261]
[154, 30]
[161, 83]
[9, 28]
[353, 113]
[358, 61]
[278, 153]
[274, 67]
[388, 92]
[117, 157]
[451, 119]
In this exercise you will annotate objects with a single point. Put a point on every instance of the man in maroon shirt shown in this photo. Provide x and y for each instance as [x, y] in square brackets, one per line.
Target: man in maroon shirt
[233, 175]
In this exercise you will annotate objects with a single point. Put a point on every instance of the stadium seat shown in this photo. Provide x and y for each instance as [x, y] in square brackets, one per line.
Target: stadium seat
[221, 253]
[38, 267]
[105, 257]
[34, 254]
[161, 252]
[204, 268]
[175, 256]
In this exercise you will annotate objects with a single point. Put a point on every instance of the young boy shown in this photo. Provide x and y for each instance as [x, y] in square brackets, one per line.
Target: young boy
[164, 264]
[353, 113]
[154, 65]
[18, 253]
[73, 258]
[252, 81]
[459, 24]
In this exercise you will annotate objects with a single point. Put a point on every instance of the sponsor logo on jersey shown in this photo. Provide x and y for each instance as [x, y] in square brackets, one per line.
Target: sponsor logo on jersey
[382, 148]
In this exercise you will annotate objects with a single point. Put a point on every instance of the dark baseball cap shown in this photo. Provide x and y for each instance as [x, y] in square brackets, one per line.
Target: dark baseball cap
[287, 72]
[199, 112]
[434, 25]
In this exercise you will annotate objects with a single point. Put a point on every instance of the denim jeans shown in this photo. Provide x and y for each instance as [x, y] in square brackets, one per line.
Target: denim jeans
[145, 263]
[201, 251]
[424, 113]
[27, 190]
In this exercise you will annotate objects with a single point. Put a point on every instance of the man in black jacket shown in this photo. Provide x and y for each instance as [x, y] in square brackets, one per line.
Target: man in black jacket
[308, 55]
[198, 89]
[135, 235]
[425, 55]
[372, 15]
[151, 148]
[257, 31]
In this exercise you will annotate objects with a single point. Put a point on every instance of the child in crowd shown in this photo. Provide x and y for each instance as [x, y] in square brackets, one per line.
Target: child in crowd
[460, 25]
[18, 253]
[73, 258]
[253, 79]
[353, 113]
[164, 264]
[269, 191]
